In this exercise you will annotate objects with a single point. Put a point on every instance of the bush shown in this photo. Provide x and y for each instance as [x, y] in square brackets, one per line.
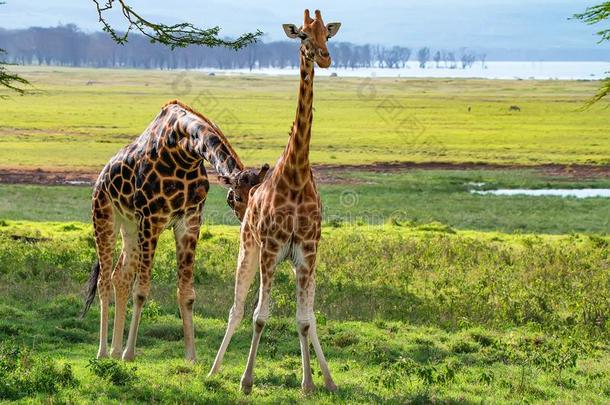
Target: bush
[113, 371]
[23, 373]
[425, 275]
[464, 346]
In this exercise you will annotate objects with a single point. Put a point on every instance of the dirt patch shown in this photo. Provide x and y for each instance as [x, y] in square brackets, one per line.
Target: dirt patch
[28, 176]
[325, 174]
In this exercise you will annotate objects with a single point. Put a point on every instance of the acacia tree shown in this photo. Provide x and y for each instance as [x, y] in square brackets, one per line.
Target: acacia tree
[175, 36]
[10, 80]
[596, 15]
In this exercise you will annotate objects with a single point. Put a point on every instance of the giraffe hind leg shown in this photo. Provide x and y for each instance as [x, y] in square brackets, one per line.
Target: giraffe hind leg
[122, 280]
[186, 232]
[105, 237]
[147, 243]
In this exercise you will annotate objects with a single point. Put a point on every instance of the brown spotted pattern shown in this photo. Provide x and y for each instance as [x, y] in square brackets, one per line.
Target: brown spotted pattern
[157, 182]
[282, 222]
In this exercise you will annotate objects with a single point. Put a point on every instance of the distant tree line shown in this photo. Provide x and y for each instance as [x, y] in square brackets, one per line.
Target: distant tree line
[66, 45]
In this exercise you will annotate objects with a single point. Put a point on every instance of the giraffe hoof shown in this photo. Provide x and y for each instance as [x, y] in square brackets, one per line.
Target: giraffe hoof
[102, 355]
[128, 355]
[116, 354]
[331, 386]
[308, 388]
[246, 386]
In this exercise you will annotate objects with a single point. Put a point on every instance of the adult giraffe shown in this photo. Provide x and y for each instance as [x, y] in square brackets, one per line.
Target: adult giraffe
[156, 182]
[283, 219]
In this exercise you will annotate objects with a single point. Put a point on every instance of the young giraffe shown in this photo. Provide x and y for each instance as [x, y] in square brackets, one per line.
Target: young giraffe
[283, 220]
[156, 182]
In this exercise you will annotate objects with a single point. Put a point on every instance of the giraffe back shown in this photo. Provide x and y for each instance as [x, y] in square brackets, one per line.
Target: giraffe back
[156, 175]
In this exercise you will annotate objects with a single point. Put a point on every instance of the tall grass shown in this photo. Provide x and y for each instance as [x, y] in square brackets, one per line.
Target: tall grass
[405, 314]
[434, 276]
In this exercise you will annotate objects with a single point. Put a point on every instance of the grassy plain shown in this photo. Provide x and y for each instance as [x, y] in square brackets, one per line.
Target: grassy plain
[422, 314]
[415, 302]
[81, 117]
[417, 197]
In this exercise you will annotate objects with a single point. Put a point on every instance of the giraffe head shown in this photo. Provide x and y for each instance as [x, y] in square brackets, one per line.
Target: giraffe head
[314, 35]
[240, 185]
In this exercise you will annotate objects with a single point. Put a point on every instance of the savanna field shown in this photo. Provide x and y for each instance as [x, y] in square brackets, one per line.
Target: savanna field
[426, 291]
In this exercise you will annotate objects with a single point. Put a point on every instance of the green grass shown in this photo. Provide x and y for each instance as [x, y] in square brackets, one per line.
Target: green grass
[414, 302]
[417, 197]
[69, 124]
[420, 315]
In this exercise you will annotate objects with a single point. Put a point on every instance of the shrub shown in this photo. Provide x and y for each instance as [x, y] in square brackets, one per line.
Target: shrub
[113, 371]
[23, 373]
[344, 339]
[464, 346]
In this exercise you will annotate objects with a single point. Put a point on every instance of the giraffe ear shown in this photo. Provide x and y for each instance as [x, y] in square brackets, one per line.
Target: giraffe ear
[333, 28]
[263, 172]
[226, 180]
[291, 30]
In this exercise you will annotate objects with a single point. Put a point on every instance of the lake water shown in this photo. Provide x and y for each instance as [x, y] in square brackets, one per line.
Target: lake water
[558, 192]
[491, 70]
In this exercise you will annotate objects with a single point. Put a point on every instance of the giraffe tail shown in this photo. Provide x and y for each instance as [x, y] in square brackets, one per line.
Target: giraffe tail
[91, 287]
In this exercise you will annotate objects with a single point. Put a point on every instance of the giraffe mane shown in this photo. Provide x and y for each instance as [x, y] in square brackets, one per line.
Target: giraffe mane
[220, 134]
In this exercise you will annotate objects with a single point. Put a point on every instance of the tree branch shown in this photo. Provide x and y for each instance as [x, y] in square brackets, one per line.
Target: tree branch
[9, 80]
[591, 16]
[602, 92]
[174, 36]
[595, 15]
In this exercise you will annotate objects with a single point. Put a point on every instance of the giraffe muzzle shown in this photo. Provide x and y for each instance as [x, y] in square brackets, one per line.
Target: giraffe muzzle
[323, 62]
[323, 58]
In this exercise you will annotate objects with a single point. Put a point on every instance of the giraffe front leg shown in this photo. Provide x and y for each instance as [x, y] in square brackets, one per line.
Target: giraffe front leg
[304, 323]
[147, 242]
[268, 262]
[246, 268]
[186, 232]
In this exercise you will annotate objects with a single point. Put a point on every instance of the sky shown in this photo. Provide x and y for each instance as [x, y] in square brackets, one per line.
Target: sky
[509, 24]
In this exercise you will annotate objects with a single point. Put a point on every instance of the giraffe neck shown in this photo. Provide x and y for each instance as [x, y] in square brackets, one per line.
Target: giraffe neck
[222, 156]
[294, 163]
[204, 140]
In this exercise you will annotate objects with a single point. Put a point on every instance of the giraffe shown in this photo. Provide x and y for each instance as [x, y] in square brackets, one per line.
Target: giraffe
[158, 181]
[282, 220]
